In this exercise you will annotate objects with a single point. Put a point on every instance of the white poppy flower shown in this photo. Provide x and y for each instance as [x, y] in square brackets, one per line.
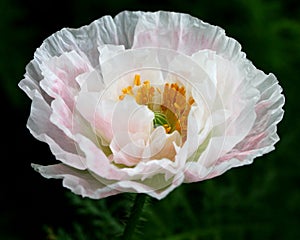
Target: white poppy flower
[144, 102]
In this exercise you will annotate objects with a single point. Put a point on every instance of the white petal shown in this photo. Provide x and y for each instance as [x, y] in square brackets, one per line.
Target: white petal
[101, 166]
[128, 116]
[33, 76]
[108, 51]
[262, 136]
[207, 60]
[131, 125]
[79, 182]
[156, 187]
[162, 144]
[60, 76]
[146, 177]
[84, 40]
[90, 82]
[41, 128]
[182, 33]
[97, 162]
[251, 132]
[127, 64]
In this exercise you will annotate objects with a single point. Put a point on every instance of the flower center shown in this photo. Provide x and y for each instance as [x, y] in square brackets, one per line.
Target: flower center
[169, 102]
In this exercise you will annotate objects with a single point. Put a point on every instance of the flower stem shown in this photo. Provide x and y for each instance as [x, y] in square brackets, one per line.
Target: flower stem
[135, 214]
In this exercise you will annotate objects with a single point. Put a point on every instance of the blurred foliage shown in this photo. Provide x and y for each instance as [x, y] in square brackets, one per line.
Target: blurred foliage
[260, 201]
[93, 219]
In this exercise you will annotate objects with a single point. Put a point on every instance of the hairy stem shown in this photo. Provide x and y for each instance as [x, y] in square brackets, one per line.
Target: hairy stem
[135, 214]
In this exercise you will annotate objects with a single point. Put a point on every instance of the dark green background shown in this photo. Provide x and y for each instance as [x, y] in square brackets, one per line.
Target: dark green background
[260, 201]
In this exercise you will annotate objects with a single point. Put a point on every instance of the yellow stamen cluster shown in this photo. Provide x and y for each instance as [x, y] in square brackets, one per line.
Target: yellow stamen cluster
[175, 105]
[145, 93]
[125, 91]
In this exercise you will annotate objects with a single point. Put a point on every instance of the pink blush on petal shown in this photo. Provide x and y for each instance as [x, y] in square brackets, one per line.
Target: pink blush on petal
[246, 147]
[60, 76]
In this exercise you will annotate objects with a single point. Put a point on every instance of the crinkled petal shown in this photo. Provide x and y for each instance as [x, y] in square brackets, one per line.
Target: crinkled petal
[108, 51]
[41, 128]
[181, 32]
[155, 187]
[30, 84]
[78, 181]
[147, 177]
[263, 136]
[255, 138]
[101, 166]
[90, 82]
[84, 40]
[60, 76]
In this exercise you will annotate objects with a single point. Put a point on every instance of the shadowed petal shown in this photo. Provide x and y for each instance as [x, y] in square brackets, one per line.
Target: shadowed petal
[79, 182]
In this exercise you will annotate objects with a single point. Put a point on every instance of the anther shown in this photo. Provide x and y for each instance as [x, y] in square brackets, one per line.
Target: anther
[147, 82]
[168, 129]
[191, 100]
[137, 80]
[121, 97]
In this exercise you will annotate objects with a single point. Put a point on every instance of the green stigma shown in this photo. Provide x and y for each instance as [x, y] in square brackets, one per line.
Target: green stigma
[160, 120]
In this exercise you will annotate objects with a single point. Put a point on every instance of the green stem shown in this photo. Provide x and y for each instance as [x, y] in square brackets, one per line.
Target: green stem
[135, 214]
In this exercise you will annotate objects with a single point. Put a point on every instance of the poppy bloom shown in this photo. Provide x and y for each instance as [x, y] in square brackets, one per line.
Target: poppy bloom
[144, 102]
